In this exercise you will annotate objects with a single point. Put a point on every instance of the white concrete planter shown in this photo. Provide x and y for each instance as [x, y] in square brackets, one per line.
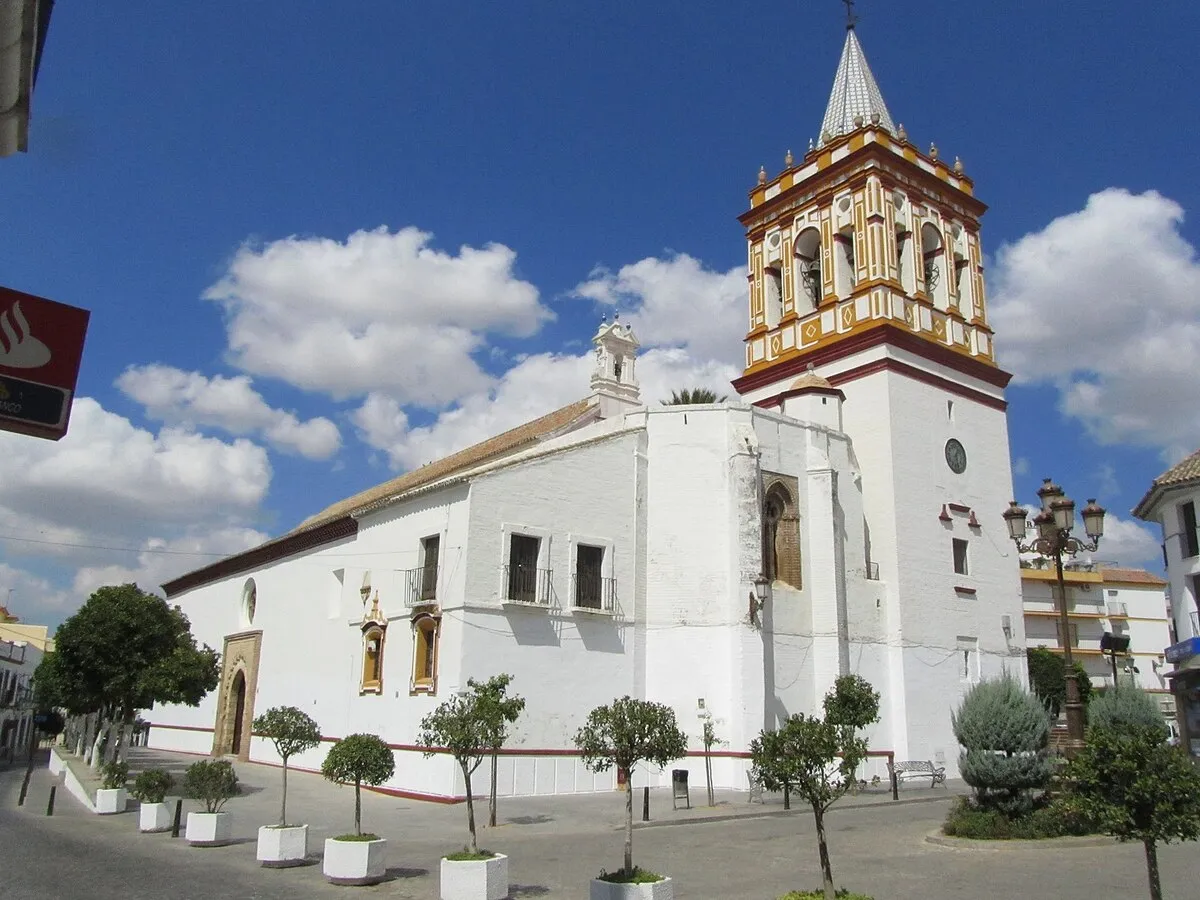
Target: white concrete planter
[111, 800]
[154, 817]
[209, 829]
[475, 879]
[656, 890]
[355, 862]
[56, 762]
[282, 846]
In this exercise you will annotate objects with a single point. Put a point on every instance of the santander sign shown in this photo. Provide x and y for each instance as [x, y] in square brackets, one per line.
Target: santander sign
[41, 344]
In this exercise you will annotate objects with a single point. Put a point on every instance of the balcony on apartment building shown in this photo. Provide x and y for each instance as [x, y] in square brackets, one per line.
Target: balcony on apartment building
[420, 586]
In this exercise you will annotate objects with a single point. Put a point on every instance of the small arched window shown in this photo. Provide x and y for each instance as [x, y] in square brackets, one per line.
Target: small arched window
[425, 653]
[904, 266]
[374, 637]
[781, 537]
[845, 266]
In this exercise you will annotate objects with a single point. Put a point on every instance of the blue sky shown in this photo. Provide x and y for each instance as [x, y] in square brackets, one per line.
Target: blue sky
[210, 180]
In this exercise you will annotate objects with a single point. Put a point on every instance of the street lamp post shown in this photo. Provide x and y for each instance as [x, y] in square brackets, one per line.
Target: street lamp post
[1053, 539]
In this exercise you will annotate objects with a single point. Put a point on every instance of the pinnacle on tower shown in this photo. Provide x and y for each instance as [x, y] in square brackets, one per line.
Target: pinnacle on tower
[855, 96]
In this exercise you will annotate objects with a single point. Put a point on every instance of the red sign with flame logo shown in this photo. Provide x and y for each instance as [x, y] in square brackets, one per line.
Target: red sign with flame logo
[41, 344]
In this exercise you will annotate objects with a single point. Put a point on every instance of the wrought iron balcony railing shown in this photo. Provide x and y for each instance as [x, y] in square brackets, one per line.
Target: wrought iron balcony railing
[420, 585]
[526, 584]
[593, 592]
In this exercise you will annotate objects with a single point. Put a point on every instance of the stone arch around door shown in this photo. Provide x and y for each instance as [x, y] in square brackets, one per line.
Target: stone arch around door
[235, 703]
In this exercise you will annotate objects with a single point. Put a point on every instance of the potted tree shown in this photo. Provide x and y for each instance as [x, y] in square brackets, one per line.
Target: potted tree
[357, 858]
[622, 734]
[150, 787]
[466, 726]
[212, 782]
[112, 796]
[291, 731]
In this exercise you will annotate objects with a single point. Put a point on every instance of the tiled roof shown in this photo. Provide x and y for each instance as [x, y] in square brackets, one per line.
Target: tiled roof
[485, 451]
[854, 93]
[1115, 574]
[1186, 471]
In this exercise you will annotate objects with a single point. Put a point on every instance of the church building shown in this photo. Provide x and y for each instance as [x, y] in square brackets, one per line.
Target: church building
[840, 515]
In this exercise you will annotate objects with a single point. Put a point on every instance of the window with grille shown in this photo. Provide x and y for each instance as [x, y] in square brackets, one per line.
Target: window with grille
[523, 568]
[589, 581]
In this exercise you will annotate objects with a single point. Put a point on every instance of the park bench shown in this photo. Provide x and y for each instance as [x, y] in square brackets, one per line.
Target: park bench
[919, 768]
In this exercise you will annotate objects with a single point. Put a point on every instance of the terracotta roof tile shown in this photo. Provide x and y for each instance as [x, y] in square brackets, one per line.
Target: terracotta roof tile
[485, 451]
[1185, 471]
[1113, 574]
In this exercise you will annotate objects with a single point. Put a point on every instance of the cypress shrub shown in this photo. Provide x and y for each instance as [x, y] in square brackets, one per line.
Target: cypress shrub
[1004, 731]
[1126, 709]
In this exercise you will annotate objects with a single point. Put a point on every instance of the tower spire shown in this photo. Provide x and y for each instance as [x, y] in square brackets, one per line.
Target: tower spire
[855, 93]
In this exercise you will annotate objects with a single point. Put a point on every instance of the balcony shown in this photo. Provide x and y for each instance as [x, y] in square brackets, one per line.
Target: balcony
[420, 586]
[1117, 610]
[591, 593]
[527, 585]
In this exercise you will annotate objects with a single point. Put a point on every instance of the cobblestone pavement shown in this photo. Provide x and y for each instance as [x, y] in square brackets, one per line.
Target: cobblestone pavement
[555, 845]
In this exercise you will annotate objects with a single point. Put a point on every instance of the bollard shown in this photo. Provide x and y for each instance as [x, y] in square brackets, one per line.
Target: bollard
[50, 802]
[178, 814]
[645, 804]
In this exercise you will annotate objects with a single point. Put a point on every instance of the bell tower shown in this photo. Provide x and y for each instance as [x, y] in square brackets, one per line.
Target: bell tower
[864, 270]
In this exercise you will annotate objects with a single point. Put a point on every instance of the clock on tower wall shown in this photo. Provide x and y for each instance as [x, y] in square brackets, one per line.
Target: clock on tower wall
[956, 456]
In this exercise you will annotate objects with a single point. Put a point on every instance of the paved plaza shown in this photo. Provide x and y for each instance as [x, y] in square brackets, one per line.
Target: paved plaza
[556, 844]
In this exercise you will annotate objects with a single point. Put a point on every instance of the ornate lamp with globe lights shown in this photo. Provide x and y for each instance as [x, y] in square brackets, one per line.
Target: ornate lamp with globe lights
[1053, 539]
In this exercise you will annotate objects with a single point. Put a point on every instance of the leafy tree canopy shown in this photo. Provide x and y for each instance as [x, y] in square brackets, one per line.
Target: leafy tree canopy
[291, 730]
[125, 650]
[495, 707]
[1047, 678]
[692, 396]
[628, 731]
[359, 759]
[852, 703]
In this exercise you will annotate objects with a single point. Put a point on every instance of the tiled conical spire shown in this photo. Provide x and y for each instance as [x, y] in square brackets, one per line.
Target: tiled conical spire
[854, 93]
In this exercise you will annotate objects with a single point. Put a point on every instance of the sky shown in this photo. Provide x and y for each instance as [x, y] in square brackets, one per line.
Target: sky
[325, 242]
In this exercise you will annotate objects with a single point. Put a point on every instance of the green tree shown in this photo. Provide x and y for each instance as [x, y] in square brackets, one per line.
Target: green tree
[291, 731]
[359, 759]
[465, 726]
[624, 733]
[1047, 677]
[1129, 707]
[499, 712]
[1137, 788]
[852, 705]
[1005, 732]
[212, 782]
[708, 736]
[692, 396]
[818, 758]
[774, 763]
[124, 650]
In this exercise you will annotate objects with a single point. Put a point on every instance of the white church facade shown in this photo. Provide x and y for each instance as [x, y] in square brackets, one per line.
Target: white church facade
[613, 548]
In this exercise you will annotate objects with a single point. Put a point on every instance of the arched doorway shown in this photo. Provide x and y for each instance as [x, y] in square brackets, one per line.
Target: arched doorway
[239, 712]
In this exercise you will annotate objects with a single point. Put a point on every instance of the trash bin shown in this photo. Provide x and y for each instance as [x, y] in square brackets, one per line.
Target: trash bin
[679, 788]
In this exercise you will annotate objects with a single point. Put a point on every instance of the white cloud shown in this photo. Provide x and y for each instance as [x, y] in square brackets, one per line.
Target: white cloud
[76, 504]
[381, 311]
[1105, 304]
[676, 302]
[1020, 466]
[232, 404]
[32, 598]
[535, 386]
[1130, 543]
[159, 560]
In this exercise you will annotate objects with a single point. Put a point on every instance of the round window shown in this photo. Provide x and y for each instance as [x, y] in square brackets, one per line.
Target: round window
[249, 601]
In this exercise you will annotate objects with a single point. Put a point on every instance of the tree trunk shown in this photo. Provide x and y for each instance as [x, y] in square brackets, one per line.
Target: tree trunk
[95, 757]
[126, 739]
[787, 796]
[823, 850]
[357, 806]
[470, 808]
[708, 775]
[112, 747]
[283, 802]
[492, 798]
[1152, 870]
[628, 822]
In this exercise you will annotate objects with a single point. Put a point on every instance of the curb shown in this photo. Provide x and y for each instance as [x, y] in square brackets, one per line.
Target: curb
[777, 813]
[1062, 843]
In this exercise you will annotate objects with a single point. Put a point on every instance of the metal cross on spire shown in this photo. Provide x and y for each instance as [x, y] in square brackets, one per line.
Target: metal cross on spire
[851, 18]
